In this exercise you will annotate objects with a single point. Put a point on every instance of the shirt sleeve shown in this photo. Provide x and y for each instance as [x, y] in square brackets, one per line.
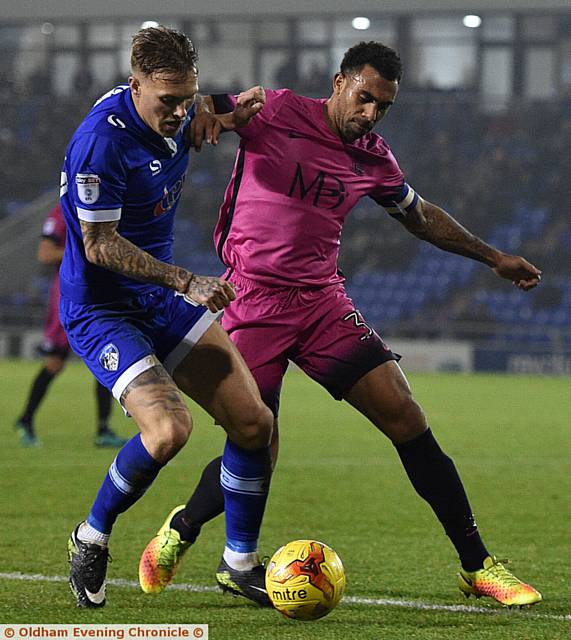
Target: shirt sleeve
[224, 103]
[97, 178]
[392, 192]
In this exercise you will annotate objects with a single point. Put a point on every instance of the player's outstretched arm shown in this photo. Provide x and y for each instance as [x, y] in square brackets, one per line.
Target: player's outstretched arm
[106, 248]
[431, 223]
[206, 126]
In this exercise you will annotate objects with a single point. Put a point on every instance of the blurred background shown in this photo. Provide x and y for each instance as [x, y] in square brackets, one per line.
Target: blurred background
[482, 127]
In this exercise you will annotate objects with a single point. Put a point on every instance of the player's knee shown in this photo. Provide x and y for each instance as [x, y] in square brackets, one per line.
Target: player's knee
[412, 422]
[171, 434]
[406, 420]
[255, 429]
[179, 430]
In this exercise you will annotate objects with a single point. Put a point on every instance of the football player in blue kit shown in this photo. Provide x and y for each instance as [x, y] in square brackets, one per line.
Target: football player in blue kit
[146, 328]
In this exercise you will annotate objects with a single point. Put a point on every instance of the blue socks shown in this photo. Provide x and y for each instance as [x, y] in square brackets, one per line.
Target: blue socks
[130, 475]
[245, 478]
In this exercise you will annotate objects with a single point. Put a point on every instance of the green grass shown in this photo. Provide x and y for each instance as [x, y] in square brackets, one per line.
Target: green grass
[338, 481]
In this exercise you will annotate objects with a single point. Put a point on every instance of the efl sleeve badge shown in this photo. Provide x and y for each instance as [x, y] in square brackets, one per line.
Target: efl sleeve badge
[87, 187]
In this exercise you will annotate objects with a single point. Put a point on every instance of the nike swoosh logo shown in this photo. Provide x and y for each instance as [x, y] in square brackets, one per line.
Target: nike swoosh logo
[96, 598]
[258, 588]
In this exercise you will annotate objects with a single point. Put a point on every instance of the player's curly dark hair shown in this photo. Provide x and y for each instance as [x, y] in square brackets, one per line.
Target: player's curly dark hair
[382, 58]
[163, 50]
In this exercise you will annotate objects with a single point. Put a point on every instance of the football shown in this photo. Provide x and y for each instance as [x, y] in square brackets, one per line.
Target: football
[305, 579]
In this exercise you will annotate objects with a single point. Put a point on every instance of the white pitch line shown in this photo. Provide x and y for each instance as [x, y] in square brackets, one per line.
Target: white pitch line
[371, 602]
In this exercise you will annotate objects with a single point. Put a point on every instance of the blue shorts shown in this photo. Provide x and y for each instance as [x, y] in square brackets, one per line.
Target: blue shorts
[119, 340]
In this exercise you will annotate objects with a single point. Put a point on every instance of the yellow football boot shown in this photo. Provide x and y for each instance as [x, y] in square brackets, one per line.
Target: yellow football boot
[495, 581]
[161, 557]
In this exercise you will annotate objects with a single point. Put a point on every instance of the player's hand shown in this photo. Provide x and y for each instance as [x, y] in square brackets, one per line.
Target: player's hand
[248, 104]
[214, 293]
[205, 127]
[522, 273]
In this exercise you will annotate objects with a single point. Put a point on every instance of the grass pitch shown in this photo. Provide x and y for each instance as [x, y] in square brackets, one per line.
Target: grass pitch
[337, 480]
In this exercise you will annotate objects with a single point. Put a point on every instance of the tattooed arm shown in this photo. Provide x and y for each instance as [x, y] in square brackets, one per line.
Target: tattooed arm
[431, 223]
[106, 248]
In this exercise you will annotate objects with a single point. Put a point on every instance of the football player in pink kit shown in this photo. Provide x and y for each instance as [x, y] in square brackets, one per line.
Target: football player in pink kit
[55, 347]
[301, 167]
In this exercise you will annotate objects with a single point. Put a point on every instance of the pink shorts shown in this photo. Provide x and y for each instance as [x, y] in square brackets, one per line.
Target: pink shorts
[318, 329]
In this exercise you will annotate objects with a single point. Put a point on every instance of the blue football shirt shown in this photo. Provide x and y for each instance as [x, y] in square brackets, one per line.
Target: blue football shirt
[118, 169]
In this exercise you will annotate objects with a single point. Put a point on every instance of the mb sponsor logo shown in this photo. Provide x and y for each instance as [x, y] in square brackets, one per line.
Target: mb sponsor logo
[323, 189]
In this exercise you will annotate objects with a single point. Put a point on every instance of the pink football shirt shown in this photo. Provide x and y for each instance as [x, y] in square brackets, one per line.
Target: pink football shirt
[293, 184]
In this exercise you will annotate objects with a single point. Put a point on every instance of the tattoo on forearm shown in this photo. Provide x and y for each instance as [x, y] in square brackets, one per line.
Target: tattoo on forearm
[442, 230]
[106, 248]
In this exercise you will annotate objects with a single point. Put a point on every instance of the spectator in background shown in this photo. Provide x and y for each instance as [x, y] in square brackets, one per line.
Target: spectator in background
[55, 347]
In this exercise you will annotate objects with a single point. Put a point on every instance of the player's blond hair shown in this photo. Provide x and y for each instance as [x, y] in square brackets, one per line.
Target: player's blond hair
[163, 50]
